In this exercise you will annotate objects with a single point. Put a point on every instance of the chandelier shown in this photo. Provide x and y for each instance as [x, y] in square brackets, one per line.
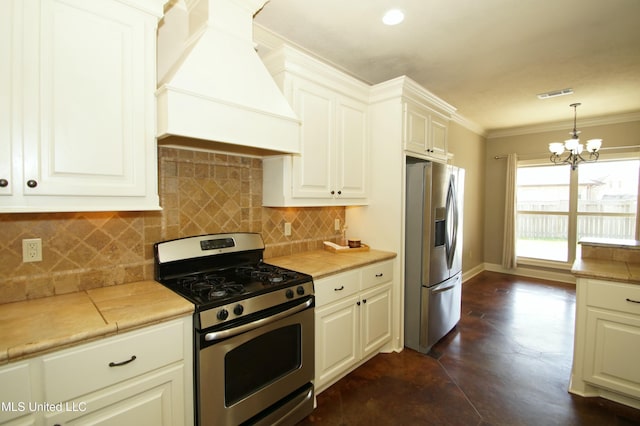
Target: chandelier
[574, 147]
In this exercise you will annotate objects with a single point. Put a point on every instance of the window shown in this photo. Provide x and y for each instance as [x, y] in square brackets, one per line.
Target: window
[608, 199]
[542, 222]
[556, 208]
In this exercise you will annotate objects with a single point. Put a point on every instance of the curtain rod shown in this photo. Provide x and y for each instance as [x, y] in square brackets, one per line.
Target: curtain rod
[535, 155]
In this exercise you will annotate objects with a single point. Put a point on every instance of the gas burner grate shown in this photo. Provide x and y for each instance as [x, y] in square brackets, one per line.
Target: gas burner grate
[225, 289]
[211, 286]
[266, 274]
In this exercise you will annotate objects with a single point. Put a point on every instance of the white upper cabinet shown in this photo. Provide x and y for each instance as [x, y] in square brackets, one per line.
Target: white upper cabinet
[6, 71]
[332, 168]
[425, 131]
[78, 105]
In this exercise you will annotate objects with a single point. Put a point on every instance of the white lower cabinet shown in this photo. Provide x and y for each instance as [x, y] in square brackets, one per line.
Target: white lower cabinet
[152, 400]
[143, 377]
[16, 394]
[607, 341]
[353, 320]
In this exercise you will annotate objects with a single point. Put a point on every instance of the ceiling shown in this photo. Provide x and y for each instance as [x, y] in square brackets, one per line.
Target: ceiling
[488, 58]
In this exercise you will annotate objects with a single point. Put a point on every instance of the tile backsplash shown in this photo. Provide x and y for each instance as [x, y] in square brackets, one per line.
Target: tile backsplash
[200, 193]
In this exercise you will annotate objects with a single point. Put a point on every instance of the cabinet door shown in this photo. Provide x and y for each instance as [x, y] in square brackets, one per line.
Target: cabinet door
[351, 149]
[152, 400]
[425, 132]
[438, 137]
[337, 339]
[376, 319]
[416, 128]
[7, 64]
[611, 351]
[86, 99]
[312, 169]
[15, 393]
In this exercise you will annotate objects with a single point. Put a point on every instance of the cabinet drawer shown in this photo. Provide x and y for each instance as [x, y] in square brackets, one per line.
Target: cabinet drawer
[615, 296]
[84, 369]
[336, 287]
[376, 274]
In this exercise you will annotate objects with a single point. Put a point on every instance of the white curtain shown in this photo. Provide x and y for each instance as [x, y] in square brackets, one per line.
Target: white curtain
[509, 240]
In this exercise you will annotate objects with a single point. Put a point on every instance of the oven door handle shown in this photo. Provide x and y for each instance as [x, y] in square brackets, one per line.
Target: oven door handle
[223, 334]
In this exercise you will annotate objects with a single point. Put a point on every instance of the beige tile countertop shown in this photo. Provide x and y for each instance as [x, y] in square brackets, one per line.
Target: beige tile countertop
[611, 243]
[613, 270]
[609, 259]
[321, 263]
[29, 328]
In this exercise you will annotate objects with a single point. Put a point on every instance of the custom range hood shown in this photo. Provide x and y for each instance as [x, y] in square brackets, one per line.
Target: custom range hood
[212, 85]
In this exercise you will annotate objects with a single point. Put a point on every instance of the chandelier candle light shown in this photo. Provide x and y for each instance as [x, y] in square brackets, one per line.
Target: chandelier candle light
[574, 147]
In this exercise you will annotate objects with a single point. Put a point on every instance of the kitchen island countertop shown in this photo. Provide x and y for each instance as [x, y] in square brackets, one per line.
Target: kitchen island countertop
[609, 259]
[604, 269]
[321, 263]
[32, 327]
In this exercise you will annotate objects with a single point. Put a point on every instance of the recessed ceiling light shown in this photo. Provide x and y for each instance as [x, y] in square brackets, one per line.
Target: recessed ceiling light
[393, 17]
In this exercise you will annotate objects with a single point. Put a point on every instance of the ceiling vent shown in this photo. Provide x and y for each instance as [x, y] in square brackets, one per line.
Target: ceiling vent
[555, 93]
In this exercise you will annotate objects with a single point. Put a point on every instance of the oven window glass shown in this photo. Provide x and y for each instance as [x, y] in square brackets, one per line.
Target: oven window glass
[261, 361]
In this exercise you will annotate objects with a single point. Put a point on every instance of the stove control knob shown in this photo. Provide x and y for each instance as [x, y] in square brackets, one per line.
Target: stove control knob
[289, 294]
[223, 314]
[300, 290]
[238, 309]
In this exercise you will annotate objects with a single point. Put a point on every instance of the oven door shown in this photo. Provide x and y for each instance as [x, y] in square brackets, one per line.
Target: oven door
[270, 367]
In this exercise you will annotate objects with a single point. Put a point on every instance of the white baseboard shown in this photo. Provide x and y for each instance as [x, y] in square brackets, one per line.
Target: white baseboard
[564, 277]
[467, 275]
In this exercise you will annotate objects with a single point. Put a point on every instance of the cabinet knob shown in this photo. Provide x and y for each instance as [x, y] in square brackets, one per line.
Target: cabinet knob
[364, 301]
[4, 183]
[358, 303]
[32, 183]
[339, 192]
[333, 192]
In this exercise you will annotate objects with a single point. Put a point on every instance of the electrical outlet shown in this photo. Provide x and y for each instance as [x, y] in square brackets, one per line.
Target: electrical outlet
[287, 229]
[32, 250]
[336, 225]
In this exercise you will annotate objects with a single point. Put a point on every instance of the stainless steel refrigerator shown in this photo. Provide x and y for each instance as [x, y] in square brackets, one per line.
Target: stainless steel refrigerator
[433, 252]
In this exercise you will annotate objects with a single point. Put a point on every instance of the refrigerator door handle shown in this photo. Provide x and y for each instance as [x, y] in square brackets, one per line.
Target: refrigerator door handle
[452, 215]
[442, 290]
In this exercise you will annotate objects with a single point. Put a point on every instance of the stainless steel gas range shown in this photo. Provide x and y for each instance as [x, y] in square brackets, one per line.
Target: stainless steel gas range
[253, 329]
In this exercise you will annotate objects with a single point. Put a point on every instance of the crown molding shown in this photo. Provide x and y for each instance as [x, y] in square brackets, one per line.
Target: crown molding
[469, 125]
[563, 125]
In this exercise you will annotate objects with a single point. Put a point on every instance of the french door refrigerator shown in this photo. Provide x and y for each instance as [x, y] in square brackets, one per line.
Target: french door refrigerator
[433, 252]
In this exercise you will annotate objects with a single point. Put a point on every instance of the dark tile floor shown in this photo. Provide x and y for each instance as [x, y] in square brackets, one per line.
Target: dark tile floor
[506, 363]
